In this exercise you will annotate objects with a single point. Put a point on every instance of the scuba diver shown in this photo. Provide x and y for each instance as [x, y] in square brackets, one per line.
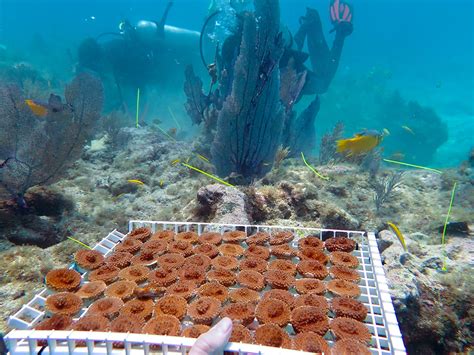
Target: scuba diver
[138, 56]
[324, 61]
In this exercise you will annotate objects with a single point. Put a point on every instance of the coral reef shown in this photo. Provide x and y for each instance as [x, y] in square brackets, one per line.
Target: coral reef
[291, 195]
[36, 151]
[221, 204]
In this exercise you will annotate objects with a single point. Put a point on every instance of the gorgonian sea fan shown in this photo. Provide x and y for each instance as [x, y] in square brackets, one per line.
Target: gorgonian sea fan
[38, 149]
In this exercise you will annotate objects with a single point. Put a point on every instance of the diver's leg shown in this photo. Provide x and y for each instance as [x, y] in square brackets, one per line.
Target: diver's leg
[324, 61]
[314, 84]
[311, 29]
[300, 35]
[343, 29]
[317, 46]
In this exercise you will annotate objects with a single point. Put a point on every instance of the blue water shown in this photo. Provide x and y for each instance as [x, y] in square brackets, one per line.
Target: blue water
[425, 45]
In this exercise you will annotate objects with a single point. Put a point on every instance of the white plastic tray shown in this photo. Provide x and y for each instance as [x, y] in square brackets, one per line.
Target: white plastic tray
[381, 319]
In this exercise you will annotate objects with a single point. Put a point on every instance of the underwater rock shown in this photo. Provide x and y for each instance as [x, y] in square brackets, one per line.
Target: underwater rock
[339, 191]
[383, 244]
[336, 218]
[423, 238]
[7, 214]
[98, 144]
[123, 137]
[48, 202]
[404, 258]
[37, 224]
[256, 205]
[43, 235]
[432, 263]
[121, 187]
[455, 228]
[222, 204]
[388, 239]
[427, 326]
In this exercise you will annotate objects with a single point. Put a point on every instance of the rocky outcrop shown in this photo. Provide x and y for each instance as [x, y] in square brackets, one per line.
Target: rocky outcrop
[40, 222]
[433, 306]
[222, 204]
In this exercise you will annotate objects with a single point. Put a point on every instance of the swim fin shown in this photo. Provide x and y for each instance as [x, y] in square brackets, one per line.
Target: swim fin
[340, 11]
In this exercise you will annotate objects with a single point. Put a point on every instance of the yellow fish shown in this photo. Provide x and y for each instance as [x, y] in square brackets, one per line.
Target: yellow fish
[135, 181]
[37, 108]
[362, 143]
[176, 161]
[162, 183]
[398, 234]
[408, 129]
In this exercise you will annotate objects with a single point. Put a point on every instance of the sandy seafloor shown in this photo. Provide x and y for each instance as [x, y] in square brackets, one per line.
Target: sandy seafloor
[434, 308]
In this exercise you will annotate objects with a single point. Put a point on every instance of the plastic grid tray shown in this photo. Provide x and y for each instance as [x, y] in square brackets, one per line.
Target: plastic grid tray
[381, 319]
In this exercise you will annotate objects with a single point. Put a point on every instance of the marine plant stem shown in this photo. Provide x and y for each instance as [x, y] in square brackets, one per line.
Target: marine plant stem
[165, 133]
[174, 118]
[313, 169]
[79, 242]
[413, 166]
[138, 106]
[207, 174]
[446, 225]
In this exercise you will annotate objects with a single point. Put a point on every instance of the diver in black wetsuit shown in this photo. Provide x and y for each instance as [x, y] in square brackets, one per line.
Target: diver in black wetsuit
[131, 55]
[146, 55]
[324, 61]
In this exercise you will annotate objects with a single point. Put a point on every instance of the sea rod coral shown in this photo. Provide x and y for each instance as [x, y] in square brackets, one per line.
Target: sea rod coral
[259, 79]
[244, 117]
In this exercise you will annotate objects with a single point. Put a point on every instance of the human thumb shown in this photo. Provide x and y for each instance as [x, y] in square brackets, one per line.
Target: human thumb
[214, 340]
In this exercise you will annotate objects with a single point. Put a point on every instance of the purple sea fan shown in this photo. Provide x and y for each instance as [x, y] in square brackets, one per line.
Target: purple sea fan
[39, 149]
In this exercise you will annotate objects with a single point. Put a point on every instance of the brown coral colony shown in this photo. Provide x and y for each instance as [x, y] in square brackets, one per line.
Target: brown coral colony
[340, 244]
[89, 259]
[153, 282]
[64, 303]
[63, 279]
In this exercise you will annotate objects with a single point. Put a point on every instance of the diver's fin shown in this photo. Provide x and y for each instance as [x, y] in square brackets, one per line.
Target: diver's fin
[340, 10]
